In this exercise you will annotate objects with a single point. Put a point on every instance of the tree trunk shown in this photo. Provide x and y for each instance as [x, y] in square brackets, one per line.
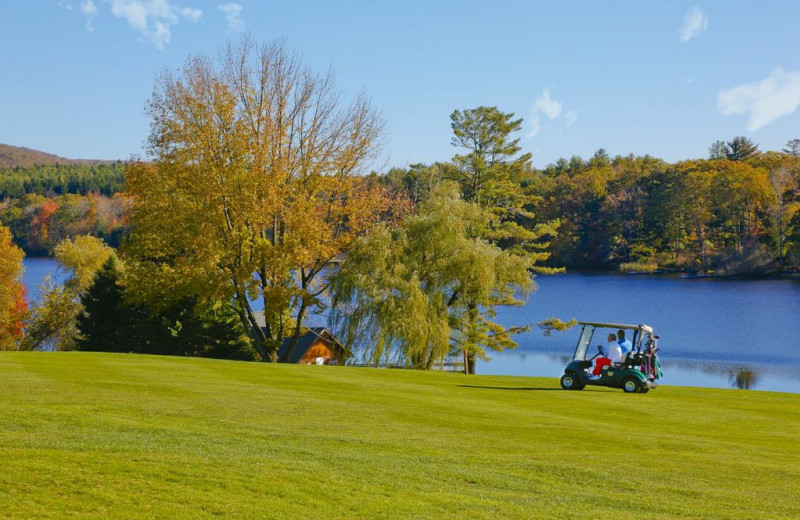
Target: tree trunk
[780, 230]
[296, 334]
[259, 337]
[470, 364]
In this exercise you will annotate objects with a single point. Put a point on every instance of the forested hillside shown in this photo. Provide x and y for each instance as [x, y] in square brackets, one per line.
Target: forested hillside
[20, 156]
[61, 179]
[45, 198]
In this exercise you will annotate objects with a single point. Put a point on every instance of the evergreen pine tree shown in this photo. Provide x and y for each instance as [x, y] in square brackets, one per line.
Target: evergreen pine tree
[111, 324]
[741, 148]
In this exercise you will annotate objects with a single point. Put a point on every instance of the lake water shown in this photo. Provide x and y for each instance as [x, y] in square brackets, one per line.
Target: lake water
[714, 333]
[36, 270]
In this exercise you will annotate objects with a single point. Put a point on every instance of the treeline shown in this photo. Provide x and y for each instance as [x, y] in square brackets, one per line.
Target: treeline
[727, 216]
[53, 180]
[736, 213]
[39, 223]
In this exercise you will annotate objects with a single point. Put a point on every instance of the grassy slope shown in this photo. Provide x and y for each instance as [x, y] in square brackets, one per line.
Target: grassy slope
[124, 436]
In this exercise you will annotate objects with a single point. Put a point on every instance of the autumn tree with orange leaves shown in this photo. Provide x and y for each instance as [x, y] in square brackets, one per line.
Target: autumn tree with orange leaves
[13, 304]
[254, 190]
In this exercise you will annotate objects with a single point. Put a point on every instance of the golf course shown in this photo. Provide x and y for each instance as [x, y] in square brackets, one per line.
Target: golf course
[133, 436]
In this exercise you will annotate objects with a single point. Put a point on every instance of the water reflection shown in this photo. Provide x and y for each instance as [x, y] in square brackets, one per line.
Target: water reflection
[745, 378]
[676, 372]
[738, 376]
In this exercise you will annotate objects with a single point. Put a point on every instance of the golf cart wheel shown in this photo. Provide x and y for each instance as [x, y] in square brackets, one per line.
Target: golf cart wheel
[644, 389]
[570, 382]
[631, 385]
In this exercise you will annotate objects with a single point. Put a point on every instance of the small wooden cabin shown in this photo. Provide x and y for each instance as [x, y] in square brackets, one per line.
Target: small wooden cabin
[318, 346]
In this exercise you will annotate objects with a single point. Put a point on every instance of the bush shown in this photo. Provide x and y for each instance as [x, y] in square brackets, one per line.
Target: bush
[638, 267]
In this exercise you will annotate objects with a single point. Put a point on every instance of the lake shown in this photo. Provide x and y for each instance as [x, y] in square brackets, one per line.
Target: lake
[714, 333]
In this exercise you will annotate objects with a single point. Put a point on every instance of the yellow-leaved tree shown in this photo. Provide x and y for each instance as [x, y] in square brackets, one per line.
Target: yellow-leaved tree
[13, 306]
[52, 325]
[254, 188]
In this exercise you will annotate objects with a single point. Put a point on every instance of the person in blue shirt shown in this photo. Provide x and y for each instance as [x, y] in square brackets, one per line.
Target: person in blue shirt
[624, 344]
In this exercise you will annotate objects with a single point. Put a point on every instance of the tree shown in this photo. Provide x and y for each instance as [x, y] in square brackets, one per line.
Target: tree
[13, 305]
[782, 182]
[485, 132]
[417, 292]
[110, 323]
[739, 193]
[600, 158]
[254, 188]
[718, 150]
[741, 148]
[415, 182]
[489, 176]
[792, 147]
[52, 324]
[103, 324]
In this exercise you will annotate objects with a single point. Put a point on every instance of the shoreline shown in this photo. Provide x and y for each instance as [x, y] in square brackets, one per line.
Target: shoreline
[686, 275]
[683, 274]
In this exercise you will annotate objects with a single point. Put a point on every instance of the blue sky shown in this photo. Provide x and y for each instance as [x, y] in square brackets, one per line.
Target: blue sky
[664, 78]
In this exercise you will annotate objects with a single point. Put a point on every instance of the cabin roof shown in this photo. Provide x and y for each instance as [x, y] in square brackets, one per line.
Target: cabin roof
[305, 342]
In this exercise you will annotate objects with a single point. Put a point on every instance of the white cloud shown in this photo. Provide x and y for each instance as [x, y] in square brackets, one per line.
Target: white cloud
[89, 10]
[153, 19]
[570, 117]
[536, 127]
[547, 106]
[551, 109]
[65, 5]
[192, 14]
[233, 16]
[776, 96]
[694, 23]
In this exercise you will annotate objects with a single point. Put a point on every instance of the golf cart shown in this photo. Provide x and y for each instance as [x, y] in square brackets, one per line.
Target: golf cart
[638, 371]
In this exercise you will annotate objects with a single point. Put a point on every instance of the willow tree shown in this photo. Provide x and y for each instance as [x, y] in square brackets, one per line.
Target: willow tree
[254, 187]
[427, 288]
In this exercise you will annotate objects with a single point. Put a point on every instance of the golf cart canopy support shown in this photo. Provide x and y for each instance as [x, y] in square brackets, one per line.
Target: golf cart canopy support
[645, 328]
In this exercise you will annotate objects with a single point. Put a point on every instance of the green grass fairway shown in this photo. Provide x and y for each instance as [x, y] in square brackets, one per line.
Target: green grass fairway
[130, 436]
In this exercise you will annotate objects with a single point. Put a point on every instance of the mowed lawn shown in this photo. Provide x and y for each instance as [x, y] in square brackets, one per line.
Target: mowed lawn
[129, 436]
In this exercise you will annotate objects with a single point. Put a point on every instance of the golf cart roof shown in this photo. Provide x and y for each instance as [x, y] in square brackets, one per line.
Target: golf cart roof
[645, 328]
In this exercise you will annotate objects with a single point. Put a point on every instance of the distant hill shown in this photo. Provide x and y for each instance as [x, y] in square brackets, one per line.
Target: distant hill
[19, 156]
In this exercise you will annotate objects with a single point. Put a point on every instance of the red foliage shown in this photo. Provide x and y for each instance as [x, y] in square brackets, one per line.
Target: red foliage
[19, 311]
